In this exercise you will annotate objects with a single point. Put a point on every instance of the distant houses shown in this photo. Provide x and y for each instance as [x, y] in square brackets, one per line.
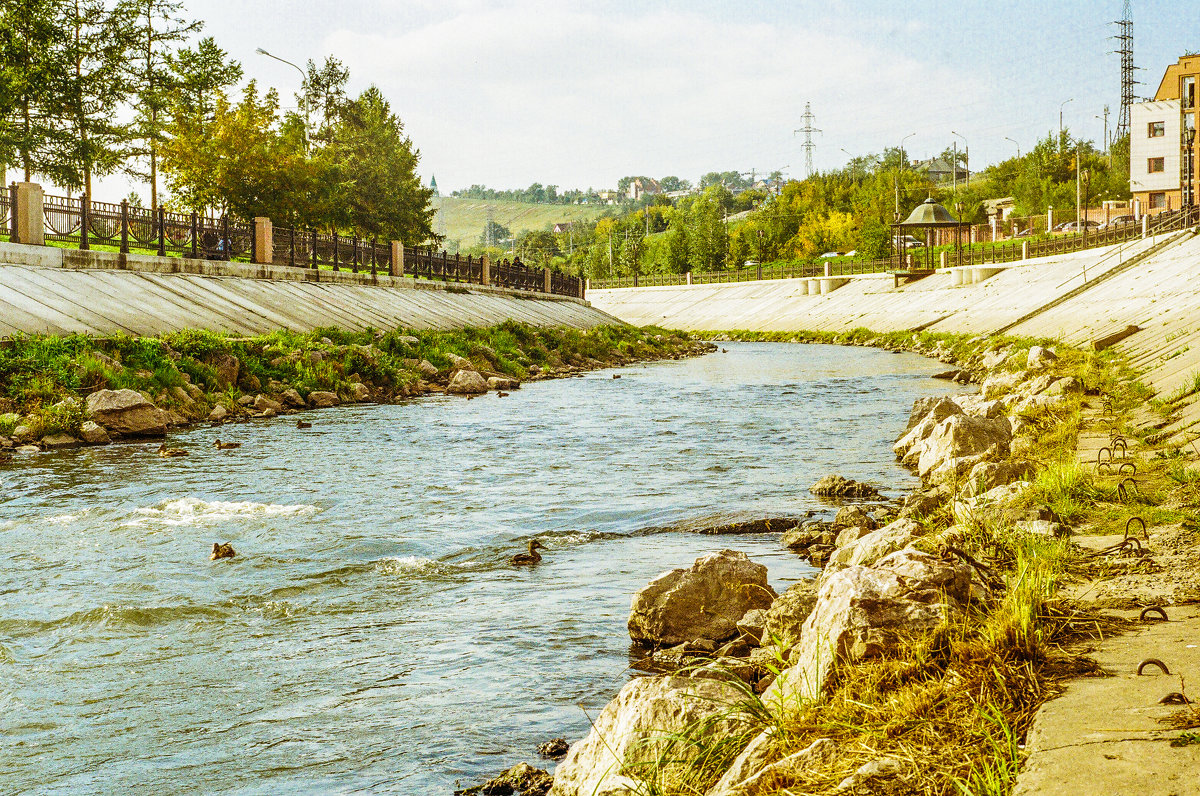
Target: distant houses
[940, 170]
[1163, 145]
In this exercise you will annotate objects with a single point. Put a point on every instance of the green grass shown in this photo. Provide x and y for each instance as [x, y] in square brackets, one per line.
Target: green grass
[465, 219]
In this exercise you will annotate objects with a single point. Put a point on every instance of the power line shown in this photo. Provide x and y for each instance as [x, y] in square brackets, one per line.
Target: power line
[808, 130]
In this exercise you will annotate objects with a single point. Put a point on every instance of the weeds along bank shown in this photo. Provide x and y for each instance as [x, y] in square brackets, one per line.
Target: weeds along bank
[66, 391]
[915, 662]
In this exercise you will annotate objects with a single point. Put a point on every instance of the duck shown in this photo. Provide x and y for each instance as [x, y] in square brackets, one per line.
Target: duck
[166, 452]
[501, 394]
[222, 551]
[303, 424]
[226, 446]
[616, 375]
[532, 557]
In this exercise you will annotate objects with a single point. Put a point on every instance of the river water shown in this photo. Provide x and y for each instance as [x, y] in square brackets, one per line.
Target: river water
[371, 636]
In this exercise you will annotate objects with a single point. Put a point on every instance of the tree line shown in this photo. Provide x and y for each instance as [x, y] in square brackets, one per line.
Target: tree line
[91, 88]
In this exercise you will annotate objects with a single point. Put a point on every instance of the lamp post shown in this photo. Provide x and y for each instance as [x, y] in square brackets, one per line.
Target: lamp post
[903, 165]
[1189, 166]
[966, 156]
[1060, 128]
[1006, 138]
[303, 97]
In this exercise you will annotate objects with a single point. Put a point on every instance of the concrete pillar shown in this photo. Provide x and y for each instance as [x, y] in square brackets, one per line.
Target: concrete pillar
[546, 275]
[814, 287]
[1024, 250]
[828, 269]
[1050, 219]
[587, 284]
[689, 277]
[486, 269]
[397, 258]
[1145, 226]
[31, 224]
[945, 257]
[956, 277]
[264, 242]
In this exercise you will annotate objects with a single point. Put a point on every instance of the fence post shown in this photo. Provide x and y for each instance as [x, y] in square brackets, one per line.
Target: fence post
[162, 233]
[397, 268]
[13, 237]
[546, 278]
[292, 246]
[226, 244]
[354, 254]
[29, 215]
[485, 270]
[374, 269]
[335, 250]
[313, 250]
[124, 226]
[195, 233]
[264, 241]
[85, 206]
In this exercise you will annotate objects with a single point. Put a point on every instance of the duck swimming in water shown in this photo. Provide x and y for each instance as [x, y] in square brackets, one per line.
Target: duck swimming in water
[532, 557]
[166, 452]
[227, 446]
[303, 424]
[222, 551]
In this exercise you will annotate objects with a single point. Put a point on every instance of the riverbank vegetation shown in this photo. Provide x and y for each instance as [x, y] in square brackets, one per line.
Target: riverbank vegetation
[948, 711]
[189, 373]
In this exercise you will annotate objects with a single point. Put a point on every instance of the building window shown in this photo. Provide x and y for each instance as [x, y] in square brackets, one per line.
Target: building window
[1155, 165]
[1187, 91]
[1158, 200]
[1157, 130]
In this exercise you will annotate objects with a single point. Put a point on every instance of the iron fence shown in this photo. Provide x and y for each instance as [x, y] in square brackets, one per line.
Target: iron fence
[86, 224]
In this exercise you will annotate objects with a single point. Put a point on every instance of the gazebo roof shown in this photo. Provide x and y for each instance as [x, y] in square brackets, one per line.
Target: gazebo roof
[929, 214]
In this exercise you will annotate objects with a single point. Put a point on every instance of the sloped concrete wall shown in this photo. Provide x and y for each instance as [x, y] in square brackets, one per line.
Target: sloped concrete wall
[43, 290]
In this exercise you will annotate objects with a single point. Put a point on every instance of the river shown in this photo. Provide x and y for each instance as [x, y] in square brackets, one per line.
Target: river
[370, 635]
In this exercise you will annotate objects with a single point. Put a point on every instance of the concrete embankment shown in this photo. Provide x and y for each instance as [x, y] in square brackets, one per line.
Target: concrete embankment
[1078, 298]
[45, 290]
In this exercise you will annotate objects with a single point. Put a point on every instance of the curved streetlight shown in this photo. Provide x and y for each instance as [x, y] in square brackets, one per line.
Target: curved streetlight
[303, 96]
[1060, 110]
[1006, 138]
[966, 155]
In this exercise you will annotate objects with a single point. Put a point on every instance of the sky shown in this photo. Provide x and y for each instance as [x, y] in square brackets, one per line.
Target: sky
[508, 93]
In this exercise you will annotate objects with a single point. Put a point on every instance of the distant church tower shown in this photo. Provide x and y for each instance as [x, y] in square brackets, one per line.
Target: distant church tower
[433, 186]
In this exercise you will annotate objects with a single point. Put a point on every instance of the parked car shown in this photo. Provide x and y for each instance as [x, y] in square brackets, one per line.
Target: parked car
[906, 241]
[831, 255]
[1121, 221]
[1082, 225]
[1028, 232]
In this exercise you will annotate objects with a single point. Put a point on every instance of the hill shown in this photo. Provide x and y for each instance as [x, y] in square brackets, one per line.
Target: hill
[464, 219]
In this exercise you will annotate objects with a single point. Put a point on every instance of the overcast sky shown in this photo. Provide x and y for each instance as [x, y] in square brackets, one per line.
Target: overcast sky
[580, 94]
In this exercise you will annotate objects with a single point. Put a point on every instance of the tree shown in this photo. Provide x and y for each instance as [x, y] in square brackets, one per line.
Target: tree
[324, 90]
[157, 29]
[498, 232]
[200, 77]
[674, 184]
[32, 73]
[100, 44]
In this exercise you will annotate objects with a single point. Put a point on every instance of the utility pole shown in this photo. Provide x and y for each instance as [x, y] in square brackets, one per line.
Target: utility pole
[490, 230]
[954, 167]
[966, 157]
[1078, 184]
[1124, 39]
[808, 130]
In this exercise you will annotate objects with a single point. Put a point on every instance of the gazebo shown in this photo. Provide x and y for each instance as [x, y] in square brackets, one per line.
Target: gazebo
[927, 216]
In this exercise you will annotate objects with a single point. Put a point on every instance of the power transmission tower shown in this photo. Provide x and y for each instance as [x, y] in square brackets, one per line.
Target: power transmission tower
[808, 130]
[1124, 38]
[489, 231]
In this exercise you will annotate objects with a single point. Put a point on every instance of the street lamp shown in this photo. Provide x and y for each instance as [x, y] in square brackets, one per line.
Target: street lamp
[1018, 146]
[966, 154]
[303, 95]
[1060, 110]
[903, 165]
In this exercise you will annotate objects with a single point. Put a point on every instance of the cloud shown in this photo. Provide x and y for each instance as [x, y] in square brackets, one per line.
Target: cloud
[581, 97]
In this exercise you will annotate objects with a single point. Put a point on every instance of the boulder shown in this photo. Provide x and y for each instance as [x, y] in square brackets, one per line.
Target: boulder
[262, 403]
[852, 516]
[875, 545]
[227, 368]
[218, 414]
[986, 476]
[408, 339]
[54, 442]
[467, 382]
[1040, 358]
[246, 400]
[959, 436]
[502, 383]
[925, 501]
[751, 625]
[932, 413]
[978, 406]
[360, 392]
[705, 601]
[868, 775]
[1001, 384]
[23, 434]
[323, 399]
[837, 486]
[800, 537]
[126, 412]
[633, 728]
[862, 612]
[994, 359]
[460, 363]
[93, 433]
[292, 398]
[753, 772]
[194, 392]
[521, 778]
[1065, 386]
[785, 617]
[427, 369]
[1005, 504]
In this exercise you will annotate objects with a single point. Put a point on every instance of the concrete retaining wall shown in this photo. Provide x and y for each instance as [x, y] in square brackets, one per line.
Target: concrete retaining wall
[59, 291]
